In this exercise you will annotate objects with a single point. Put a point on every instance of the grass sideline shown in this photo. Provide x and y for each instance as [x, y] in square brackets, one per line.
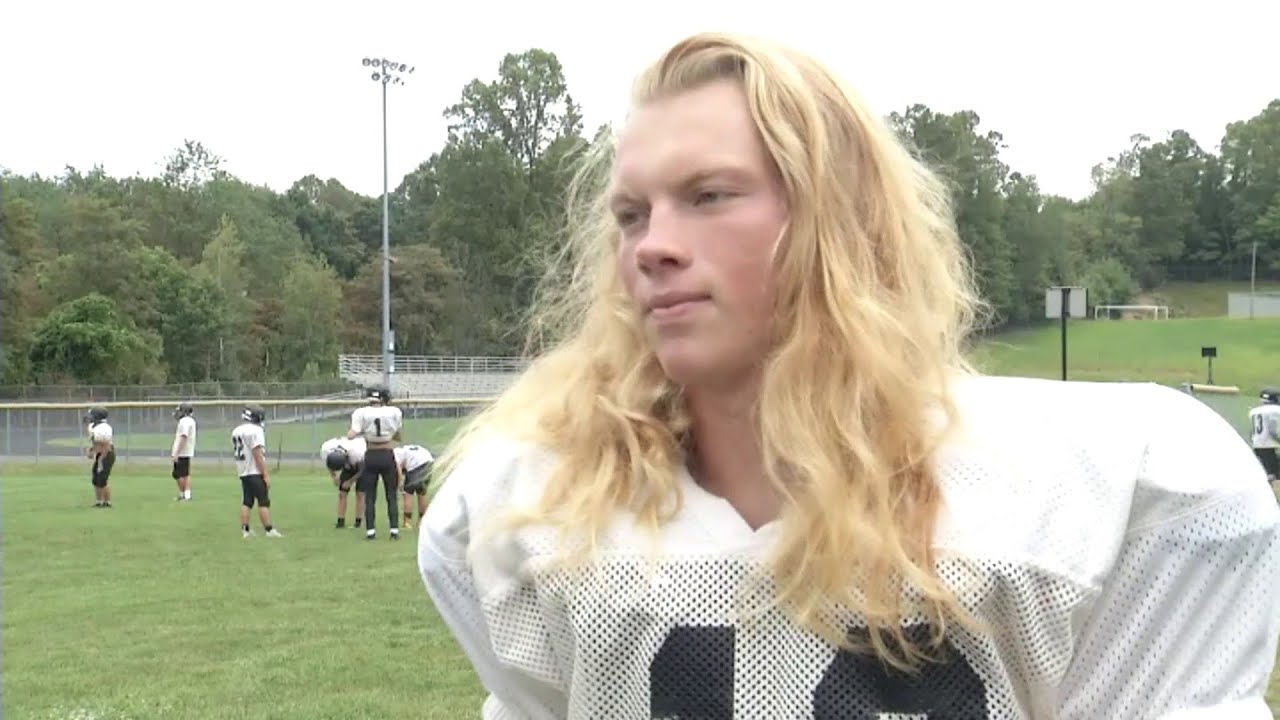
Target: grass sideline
[1163, 351]
[155, 609]
[160, 609]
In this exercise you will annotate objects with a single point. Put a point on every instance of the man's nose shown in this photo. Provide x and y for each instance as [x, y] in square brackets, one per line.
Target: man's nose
[665, 242]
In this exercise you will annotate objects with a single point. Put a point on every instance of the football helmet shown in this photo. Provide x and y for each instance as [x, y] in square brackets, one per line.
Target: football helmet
[377, 394]
[254, 414]
[336, 460]
[1270, 396]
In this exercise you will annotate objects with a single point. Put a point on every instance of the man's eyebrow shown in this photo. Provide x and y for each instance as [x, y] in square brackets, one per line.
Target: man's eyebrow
[620, 195]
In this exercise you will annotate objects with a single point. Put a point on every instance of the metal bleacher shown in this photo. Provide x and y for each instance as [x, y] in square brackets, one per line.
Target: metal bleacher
[435, 377]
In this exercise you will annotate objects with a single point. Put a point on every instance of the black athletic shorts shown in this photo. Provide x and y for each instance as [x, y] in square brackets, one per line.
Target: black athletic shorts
[181, 467]
[254, 488]
[415, 481]
[347, 478]
[1270, 459]
[101, 472]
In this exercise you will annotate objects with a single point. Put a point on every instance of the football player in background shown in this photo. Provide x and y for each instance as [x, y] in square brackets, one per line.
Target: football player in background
[378, 423]
[345, 459]
[249, 446]
[414, 462]
[1264, 424]
[102, 451]
[751, 474]
[184, 448]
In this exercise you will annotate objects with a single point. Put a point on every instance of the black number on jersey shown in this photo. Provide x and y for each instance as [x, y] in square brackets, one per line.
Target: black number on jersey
[377, 426]
[237, 447]
[691, 677]
[1257, 424]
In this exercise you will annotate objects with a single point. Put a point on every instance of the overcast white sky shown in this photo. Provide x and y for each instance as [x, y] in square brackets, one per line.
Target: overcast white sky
[277, 89]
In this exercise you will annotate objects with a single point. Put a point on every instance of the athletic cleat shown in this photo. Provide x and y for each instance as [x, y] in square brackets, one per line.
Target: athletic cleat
[246, 533]
[371, 535]
[273, 533]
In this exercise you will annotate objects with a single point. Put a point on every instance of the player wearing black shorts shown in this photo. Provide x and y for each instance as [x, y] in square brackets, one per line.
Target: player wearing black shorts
[249, 446]
[345, 460]
[102, 451]
[184, 448]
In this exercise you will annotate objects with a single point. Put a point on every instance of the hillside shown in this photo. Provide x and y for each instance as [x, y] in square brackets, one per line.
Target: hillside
[1165, 351]
[1200, 299]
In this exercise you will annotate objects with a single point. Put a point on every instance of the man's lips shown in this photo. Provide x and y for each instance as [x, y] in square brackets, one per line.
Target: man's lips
[674, 304]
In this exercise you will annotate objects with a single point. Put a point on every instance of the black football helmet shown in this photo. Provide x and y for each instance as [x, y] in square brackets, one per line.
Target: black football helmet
[95, 415]
[254, 414]
[1270, 396]
[380, 394]
[183, 410]
[336, 460]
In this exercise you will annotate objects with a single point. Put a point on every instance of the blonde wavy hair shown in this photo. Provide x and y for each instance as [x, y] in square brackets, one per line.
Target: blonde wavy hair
[874, 305]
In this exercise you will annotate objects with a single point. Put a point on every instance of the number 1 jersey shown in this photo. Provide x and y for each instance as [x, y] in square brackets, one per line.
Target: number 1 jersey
[1120, 545]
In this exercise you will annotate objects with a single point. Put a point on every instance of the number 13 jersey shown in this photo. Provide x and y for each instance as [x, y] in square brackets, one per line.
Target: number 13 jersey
[1121, 549]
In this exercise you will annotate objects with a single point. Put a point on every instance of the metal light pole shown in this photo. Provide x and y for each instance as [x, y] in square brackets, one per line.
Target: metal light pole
[386, 72]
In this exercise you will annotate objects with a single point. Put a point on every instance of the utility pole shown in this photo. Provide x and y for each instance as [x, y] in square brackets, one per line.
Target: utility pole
[386, 72]
[1253, 277]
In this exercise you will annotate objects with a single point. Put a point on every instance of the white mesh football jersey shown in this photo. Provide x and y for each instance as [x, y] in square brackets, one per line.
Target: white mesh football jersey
[101, 433]
[412, 457]
[377, 423]
[1120, 542]
[1264, 426]
[244, 439]
[185, 446]
[355, 448]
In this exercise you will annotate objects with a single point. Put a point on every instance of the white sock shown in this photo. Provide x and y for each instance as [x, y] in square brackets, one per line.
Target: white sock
[395, 531]
[186, 494]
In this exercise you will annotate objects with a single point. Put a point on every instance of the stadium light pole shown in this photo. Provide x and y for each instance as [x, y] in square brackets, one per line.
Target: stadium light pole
[386, 72]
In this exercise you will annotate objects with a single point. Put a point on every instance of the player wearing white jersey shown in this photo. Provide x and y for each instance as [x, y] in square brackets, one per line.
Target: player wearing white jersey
[1264, 430]
[414, 463]
[378, 423]
[184, 448]
[102, 451]
[249, 447]
[754, 476]
[345, 459]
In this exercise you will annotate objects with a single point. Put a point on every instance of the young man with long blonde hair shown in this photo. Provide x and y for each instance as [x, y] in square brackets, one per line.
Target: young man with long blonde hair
[749, 473]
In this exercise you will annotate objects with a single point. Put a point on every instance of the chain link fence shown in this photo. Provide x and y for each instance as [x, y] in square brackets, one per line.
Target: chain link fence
[144, 431]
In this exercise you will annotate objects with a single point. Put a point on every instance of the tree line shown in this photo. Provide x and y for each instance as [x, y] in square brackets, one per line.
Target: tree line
[195, 274]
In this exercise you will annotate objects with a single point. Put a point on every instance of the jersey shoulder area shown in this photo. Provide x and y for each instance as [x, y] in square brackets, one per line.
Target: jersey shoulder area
[1166, 437]
[250, 431]
[1071, 468]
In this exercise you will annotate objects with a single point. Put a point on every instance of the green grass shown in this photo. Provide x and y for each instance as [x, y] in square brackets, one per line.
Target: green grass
[432, 433]
[155, 609]
[1164, 351]
[1199, 299]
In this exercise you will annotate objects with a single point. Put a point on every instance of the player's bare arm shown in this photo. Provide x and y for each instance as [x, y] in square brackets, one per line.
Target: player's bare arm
[260, 460]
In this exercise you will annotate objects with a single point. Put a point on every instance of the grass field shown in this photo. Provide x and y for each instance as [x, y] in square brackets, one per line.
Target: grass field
[1164, 351]
[157, 609]
[1199, 299]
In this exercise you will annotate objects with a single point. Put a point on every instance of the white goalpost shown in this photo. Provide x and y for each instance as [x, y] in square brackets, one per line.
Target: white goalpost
[1156, 312]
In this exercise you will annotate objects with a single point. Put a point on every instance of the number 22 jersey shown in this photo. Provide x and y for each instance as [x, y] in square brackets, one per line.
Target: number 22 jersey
[1121, 547]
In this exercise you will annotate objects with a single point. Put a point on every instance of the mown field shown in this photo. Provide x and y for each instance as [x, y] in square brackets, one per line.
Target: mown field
[157, 609]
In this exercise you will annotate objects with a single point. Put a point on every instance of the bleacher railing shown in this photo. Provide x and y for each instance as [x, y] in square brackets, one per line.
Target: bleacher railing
[349, 365]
